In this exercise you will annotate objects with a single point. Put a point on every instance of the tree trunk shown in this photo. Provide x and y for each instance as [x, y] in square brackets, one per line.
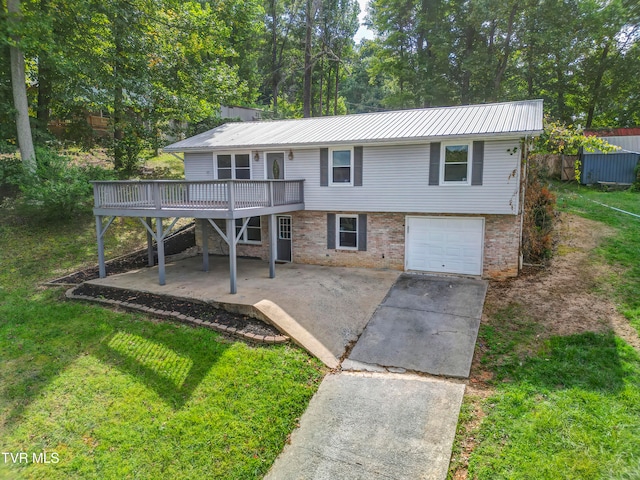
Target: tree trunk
[275, 68]
[44, 82]
[321, 87]
[561, 84]
[310, 15]
[335, 92]
[118, 96]
[19, 88]
[44, 93]
[597, 85]
[465, 82]
[504, 61]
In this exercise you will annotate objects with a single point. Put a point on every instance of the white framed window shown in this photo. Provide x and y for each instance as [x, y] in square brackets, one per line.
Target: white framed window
[341, 166]
[347, 232]
[233, 166]
[455, 164]
[253, 233]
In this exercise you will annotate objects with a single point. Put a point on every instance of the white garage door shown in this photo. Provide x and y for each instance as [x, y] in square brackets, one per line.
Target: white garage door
[444, 244]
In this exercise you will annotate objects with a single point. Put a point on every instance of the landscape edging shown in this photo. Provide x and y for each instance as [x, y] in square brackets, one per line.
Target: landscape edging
[267, 339]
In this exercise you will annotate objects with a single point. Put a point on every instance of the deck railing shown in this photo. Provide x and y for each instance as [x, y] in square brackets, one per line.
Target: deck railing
[196, 195]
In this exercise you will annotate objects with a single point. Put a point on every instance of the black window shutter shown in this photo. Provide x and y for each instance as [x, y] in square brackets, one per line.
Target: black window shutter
[362, 232]
[434, 164]
[331, 231]
[478, 163]
[357, 166]
[324, 167]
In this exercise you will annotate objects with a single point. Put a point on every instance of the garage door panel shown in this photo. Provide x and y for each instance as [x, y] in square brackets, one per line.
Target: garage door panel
[445, 245]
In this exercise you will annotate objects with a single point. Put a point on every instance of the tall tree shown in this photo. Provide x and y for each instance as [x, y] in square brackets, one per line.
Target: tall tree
[19, 87]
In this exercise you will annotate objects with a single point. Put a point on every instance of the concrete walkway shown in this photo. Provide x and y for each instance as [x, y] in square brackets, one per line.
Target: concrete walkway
[372, 426]
[426, 324]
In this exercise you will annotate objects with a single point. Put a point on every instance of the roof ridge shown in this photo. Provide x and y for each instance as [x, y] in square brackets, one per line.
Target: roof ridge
[385, 112]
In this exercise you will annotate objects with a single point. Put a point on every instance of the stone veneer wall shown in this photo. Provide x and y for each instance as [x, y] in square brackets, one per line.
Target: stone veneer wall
[385, 242]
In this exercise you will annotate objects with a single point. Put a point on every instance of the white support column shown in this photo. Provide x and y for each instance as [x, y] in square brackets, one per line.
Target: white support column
[160, 243]
[231, 236]
[99, 231]
[150, 255]
[205, 244]
[273, 245]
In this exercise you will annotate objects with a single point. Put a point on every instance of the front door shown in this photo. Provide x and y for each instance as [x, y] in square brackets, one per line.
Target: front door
[284, 238]
[275, 165]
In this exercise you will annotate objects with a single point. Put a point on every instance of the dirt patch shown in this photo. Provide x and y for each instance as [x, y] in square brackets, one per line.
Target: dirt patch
[562, 299]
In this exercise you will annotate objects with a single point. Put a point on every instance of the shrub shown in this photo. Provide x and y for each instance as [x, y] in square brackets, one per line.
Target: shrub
[127, 151]
[539, 207]
[58, 189]
[10, 170]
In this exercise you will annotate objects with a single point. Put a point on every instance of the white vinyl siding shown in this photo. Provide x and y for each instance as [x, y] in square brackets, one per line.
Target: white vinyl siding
[198, 166]
[396, 179]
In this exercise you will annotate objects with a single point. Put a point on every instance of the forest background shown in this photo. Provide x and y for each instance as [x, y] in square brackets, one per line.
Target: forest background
[157, 66]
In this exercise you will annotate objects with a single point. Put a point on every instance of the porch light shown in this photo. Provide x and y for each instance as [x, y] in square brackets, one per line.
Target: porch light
[256, 156]
[290, 155]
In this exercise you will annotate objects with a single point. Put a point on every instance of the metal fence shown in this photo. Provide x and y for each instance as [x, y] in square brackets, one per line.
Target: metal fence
[609, 167]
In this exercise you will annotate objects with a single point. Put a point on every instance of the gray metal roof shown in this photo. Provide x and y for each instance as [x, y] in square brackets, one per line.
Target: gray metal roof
[627, 144]
[403, 126]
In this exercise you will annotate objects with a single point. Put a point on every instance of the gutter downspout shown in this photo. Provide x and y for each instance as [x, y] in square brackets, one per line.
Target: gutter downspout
[524, 168]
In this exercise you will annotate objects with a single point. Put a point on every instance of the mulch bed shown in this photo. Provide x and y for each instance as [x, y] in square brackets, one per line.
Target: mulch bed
[242, 324]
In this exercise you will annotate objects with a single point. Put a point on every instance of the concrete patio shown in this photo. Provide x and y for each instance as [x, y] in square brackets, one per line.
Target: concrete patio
[333, 303]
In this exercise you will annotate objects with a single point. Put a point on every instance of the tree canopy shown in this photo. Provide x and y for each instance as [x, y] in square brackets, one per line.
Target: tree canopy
[152, 65]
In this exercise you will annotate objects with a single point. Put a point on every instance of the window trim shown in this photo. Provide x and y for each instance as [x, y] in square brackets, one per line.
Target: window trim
[443, 161]
[233, 164]
[351, 167]
[357, 231]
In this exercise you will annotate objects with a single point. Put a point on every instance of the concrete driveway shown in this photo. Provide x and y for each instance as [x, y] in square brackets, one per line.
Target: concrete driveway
[425, 324]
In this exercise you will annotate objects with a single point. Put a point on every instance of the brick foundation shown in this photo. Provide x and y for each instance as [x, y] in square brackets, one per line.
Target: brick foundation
[385, 242]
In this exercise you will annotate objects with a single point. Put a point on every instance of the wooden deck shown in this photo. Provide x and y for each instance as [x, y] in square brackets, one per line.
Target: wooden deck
[198, 199]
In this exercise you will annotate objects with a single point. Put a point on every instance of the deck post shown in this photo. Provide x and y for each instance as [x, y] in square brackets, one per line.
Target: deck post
[231, 240]
[151, 261]
[205, 245]
[99, 235]
[273, 245]
[160, 243]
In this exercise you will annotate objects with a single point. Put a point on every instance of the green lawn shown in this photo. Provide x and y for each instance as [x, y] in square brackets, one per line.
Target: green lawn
[623, 249]
[570, 407]
[117, 395]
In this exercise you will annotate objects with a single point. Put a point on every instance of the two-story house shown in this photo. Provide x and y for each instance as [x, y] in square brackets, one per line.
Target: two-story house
[429, 190]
